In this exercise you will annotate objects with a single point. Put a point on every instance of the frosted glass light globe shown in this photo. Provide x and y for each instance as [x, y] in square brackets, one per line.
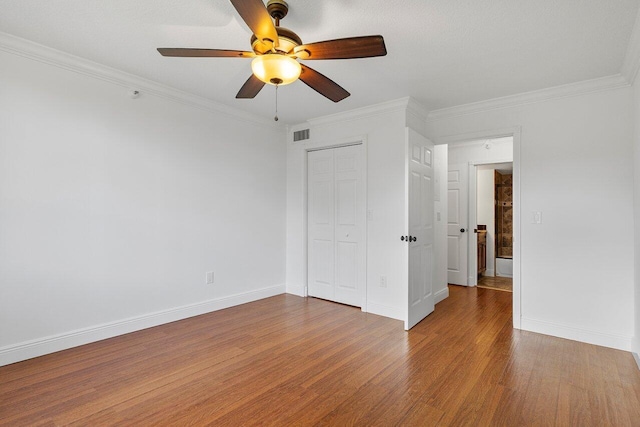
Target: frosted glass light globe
[276, 69]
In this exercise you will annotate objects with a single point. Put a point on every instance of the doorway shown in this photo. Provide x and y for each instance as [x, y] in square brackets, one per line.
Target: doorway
[494, 225]
[474, 149]
[462, 232]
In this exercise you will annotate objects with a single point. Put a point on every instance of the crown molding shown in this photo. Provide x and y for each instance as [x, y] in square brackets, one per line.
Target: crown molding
[631, 63]
[416, 117]
[360, 113]
[46, 55]
[556, 92]
[416, 109]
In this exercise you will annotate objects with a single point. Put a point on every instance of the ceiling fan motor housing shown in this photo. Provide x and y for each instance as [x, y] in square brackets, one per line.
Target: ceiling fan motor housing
[287, 40]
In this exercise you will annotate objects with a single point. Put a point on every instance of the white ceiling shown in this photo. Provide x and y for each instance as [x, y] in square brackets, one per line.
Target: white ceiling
[443, 53]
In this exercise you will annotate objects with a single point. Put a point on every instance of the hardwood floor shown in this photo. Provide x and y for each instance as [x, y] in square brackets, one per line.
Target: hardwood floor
[293, 361]
[497, 283]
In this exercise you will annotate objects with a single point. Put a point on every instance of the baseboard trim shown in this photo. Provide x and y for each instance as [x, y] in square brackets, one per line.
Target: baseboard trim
[637, 357]
[385, 310]
[441, 295]
[51, 344]
[619, 342]
[296, 290]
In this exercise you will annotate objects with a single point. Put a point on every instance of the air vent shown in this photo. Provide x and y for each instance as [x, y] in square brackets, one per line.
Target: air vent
[300, 135]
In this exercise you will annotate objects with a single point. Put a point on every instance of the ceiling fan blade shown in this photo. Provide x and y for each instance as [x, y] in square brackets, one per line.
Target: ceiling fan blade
[352, 47]
[255, 15]
[250, 88]
[322, 84]
[199, 53]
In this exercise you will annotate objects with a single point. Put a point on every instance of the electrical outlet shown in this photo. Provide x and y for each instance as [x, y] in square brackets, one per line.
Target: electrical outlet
[383, 281]
[209, 278]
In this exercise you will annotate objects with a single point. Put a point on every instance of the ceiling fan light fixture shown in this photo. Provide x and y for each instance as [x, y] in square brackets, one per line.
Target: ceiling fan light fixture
[276, 69]
[276, 51]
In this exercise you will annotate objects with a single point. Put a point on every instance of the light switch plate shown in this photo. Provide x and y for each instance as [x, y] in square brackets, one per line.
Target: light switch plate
[536, 217]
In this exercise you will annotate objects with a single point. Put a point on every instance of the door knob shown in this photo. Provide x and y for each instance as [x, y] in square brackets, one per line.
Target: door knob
[403, 238]
[414, 238]
[462, 230]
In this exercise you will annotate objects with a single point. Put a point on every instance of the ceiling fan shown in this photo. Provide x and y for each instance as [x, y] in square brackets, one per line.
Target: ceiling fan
[276, 51]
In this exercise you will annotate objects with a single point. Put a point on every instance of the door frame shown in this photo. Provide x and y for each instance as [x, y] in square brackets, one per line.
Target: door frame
[516, 134]
[327, 145]
[472, 267]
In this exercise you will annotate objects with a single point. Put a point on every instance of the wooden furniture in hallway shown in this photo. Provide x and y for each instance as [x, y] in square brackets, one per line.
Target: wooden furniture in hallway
[288, 360]
[482, 252]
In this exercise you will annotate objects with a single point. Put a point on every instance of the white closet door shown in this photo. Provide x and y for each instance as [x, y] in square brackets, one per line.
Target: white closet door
[350, 217]
[321, 224]
[336, 225]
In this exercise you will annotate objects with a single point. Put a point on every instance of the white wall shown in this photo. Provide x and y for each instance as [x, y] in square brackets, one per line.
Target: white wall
[383, 131]
[492, 150]
[112, 209]
[576, 167]
[636, 164]
[441, 206]
[486, 212]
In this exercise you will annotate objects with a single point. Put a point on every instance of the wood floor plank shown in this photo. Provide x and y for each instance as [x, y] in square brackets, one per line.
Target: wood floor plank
[302, 361]
[421, 414]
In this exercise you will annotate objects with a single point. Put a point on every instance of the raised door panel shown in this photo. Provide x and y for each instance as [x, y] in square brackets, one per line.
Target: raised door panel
[415, 215]
[321, 203]
[346, 202]
[427, 272]
[346, 263]
[453, 253]
[321, 225]
[350, 225]
[428, 231]
[416, 261]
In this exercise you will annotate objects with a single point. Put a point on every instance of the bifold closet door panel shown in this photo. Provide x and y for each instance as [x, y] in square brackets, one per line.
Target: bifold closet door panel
[321, 224]
[336, 225]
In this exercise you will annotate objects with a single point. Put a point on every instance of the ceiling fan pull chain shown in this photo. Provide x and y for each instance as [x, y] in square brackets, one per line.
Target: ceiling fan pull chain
[276, 117]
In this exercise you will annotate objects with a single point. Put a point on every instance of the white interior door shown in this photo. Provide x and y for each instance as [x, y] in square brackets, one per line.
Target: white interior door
[457, 224]
[321, 225]
[421, 228]
[336, 225]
